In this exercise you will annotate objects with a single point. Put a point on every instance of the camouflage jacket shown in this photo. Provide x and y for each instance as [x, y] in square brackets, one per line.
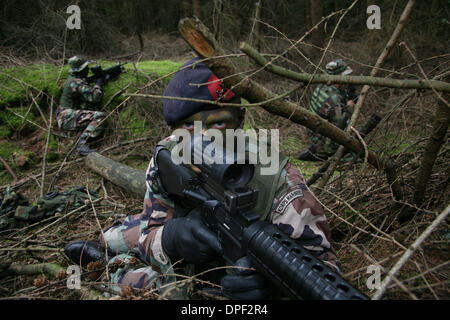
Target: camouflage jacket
[295, 210]
[328, 103]
[78, 94]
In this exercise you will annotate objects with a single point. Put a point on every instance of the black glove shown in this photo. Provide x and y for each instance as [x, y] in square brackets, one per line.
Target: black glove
[100, 82]
[189, 238]
[245, 284]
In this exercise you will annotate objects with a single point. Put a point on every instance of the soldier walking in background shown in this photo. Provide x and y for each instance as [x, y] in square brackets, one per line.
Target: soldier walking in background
[77, 98]
[334, 103]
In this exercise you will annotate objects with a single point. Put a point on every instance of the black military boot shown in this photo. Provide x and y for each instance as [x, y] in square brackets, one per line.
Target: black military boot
[85, 252]
[82, 147]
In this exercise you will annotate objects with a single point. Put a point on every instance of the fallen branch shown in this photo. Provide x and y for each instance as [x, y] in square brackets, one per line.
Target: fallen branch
[201, 40]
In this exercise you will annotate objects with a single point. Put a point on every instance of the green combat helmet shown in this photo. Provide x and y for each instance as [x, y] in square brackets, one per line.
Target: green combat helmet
[338, 67]
[78, 63]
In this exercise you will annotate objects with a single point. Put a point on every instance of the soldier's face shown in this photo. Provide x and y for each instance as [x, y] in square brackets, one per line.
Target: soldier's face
[221, 119]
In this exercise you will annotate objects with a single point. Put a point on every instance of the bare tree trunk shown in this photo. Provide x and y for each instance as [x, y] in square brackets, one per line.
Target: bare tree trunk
[434, 7]
[371, 34]
[197, 8]
[186, 8]
[138, 20]
[316, 16]
[435, 142]
[217, 17]
[308, 15]
[257, 36]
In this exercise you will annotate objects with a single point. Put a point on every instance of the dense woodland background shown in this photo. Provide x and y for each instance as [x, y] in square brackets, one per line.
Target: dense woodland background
[369, 223]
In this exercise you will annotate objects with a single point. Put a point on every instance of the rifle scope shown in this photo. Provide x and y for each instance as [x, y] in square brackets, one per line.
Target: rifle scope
[227, 167]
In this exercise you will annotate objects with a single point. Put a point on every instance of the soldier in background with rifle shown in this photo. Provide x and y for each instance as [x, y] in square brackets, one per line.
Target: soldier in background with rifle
[79, 98]
[335, 103]
[167, 231]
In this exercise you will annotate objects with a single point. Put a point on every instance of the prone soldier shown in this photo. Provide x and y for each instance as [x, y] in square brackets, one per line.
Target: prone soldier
[77, 98]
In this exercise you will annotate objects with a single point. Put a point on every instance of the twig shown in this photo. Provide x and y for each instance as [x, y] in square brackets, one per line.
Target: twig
[401, 285]
[20, 116]
[46, 149]
[366, 150]
[32, 249]
[37, 106]
[403, 43]
[9, 169]
[101, 231]
[409, 252]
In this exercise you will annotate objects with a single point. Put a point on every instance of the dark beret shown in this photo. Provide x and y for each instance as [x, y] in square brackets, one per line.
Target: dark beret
[196, 82]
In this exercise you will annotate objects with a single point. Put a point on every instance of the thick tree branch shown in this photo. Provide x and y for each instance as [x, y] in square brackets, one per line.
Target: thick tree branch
[202, 41]
[356, 80]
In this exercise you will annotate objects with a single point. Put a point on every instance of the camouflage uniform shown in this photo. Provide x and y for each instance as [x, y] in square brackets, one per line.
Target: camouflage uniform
[72, 115]
[300, 216]
[328, 103]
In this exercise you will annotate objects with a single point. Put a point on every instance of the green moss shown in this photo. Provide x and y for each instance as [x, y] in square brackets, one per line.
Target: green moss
[17, 82]
[14, 119]
[52, 154]
[7, 149]
[131, 123]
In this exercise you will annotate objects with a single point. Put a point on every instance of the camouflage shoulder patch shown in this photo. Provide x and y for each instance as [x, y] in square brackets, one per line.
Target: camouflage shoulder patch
[287, 199]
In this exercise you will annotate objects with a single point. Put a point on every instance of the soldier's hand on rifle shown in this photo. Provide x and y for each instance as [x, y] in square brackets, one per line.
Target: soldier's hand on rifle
[189, 238]
[350, 105]
[100, 81]
[245, 284]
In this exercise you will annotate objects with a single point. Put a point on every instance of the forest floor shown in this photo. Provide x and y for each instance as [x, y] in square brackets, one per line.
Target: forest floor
[358, 200]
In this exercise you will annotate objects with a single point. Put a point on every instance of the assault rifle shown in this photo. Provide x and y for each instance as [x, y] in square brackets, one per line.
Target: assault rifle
[107, 74]
[226, 202]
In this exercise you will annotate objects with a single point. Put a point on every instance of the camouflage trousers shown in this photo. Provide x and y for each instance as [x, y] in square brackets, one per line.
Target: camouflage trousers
[127, 241]
[321, 146]
[77, 120]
